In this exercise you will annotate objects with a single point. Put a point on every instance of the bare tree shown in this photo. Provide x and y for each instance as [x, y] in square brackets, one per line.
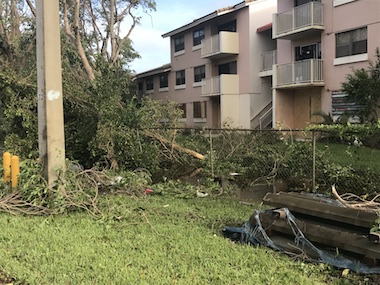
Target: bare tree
[14, 21]
[101, 28]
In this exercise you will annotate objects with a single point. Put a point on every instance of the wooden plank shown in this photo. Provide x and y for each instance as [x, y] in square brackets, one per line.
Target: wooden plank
[331, 237]
[321, 209]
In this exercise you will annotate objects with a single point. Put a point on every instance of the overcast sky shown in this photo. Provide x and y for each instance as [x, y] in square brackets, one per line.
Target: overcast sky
[169, 15]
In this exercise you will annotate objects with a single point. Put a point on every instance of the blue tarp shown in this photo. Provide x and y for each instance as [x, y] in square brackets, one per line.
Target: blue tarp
[255, 234]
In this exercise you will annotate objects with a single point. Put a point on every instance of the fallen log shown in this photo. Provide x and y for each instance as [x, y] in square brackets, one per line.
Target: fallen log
[175, 146]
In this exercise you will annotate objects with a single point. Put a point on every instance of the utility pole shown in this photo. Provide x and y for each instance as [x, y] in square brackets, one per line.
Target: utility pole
[51, 139]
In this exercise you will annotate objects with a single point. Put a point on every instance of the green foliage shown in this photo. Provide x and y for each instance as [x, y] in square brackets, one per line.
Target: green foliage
[18, 130]
[362, 87]
[154, 240]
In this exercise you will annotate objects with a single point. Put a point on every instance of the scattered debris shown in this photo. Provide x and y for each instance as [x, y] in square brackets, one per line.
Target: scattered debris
[316, 228]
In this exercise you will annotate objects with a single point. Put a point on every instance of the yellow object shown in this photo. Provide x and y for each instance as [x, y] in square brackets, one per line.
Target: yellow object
[7, 166]
[15, 169]
[345, 272]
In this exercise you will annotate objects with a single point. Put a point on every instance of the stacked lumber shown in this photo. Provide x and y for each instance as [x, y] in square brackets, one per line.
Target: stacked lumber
[323, 222]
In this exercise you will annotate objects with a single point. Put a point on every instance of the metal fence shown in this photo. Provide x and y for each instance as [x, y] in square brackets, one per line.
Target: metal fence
[289, 160]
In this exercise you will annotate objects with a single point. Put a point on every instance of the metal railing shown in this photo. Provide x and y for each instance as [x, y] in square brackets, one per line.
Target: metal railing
[268, 59]
[307, 15]
[222, 43]
[211, 86]
[266, 119]
[300, 72]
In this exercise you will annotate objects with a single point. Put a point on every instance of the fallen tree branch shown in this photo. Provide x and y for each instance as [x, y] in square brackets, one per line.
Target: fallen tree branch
[175, 146]
[353, 201]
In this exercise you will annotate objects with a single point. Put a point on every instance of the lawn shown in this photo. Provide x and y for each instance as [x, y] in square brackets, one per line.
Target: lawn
[350, 155]
[150, 240]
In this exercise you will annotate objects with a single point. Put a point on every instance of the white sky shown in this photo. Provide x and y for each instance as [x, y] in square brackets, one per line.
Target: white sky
[170, 14]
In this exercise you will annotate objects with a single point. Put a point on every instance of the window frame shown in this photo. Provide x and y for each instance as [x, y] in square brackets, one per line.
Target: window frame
[197, 40]
[140, 85]
[181, 79]
[351, 44]
[179, 43]
[164, 83]
[200, 110]
[149, 83]
[199, 73]
[315, 48]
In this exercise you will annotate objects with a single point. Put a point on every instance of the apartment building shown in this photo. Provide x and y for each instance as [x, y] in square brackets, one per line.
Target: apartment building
[220, 71]
[318, 43]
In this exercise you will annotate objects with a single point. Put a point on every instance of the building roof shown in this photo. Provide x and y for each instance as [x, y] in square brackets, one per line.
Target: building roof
[208, 17]
[161, 69]
[264, 28]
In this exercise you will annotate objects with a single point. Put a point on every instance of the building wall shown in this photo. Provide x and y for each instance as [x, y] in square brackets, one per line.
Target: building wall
[343, 18]
[293, 107]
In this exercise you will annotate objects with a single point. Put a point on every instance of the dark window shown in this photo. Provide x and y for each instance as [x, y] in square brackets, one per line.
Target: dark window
[141, 85]
[149, 83]
[199, 73]
[308, 52]
[351, 42]
[183, 108]
[179, 43]
[180, 77]
[198, 36]
[199, 110]
[164, 80]
[228, 27]
[228, 68]
[301, 2]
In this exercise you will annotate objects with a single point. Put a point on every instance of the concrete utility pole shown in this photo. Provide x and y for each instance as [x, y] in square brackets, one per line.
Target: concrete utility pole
[51, 137]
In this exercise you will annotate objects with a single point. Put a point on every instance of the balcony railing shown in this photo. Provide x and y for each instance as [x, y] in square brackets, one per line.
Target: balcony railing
[307, 17]
[219, 85]
[224, 43]
[268, 59]
[300, 73]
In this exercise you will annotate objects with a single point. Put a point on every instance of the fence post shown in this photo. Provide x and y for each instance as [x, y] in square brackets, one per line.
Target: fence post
[7, 166]
[15, 166]
[314, 149]
[211, 155]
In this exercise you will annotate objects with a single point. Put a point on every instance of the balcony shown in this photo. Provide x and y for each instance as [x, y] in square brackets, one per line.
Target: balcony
[302, 21]
[305, 73]
[227, 84]
[220, 45]
[268, 59]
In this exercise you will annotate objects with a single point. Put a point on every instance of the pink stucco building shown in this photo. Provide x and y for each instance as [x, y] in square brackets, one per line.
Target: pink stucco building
[266, 63]
[218, 72]
[318, 44]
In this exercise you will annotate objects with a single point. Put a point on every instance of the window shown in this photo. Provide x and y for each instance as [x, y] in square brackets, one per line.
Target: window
[302, 2]
[149, 83]
[308, 52]
[179, 43]
[228, 68]
[228, 27]
[141, 85]
[341, 106]
[199, 73]
[183, 108]
[351, 42]
[198, 36]
[180, 77]
[200, 110]
[164, 80]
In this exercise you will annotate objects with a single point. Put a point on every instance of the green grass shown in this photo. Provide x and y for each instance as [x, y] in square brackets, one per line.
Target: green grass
[357, 157]
[153, 240]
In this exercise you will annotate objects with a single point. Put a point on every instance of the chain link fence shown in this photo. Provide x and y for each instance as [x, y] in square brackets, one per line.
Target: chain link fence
[288, 160]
